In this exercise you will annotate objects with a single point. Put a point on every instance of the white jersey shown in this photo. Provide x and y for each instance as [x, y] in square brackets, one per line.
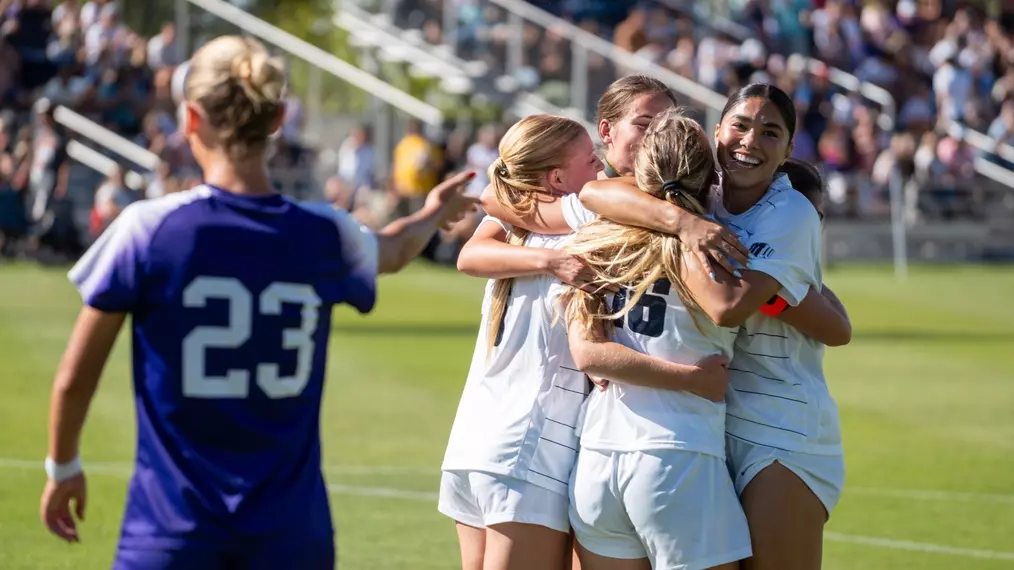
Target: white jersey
[519, 408]
[778, 396]
[635, 418]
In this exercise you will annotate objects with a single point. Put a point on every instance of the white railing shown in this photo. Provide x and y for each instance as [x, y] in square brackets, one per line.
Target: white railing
[314, 56]
[103, 136]
[584, 40]
[375, 31]
[108, 139]
[103, 164]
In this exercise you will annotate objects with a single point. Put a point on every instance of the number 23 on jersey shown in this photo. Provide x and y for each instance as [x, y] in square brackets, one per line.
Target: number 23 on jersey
[197, 383]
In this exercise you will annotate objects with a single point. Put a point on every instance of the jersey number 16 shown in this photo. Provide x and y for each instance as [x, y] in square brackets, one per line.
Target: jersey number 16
[197, 383]
[647, 317]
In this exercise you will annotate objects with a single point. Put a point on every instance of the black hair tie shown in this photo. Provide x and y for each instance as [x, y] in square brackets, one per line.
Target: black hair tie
[671, 188]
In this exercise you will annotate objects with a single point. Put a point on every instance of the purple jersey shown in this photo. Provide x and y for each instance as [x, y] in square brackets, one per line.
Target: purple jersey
[230, 298]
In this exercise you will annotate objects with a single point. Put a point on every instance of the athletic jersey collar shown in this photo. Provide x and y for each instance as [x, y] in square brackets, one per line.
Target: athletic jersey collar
[717, 205]
[267, 202]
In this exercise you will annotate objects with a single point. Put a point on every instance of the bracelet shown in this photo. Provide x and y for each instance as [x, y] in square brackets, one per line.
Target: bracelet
[59, 472]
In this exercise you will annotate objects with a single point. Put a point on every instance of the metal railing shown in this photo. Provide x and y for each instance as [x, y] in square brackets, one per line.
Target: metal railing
[105, 138]
[384, 95]
[377, 31]
[314, 56]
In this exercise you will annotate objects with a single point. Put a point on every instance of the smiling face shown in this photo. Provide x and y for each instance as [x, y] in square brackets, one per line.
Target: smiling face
[753, 141]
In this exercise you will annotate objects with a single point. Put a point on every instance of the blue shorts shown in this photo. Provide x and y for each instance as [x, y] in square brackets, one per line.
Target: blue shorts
[270, 556]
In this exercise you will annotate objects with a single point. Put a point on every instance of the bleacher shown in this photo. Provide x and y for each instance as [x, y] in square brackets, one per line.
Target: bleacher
[512, 58]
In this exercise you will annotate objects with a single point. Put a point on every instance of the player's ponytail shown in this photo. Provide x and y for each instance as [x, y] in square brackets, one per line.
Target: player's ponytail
[529, 150]
[674, 163]
[806, 179]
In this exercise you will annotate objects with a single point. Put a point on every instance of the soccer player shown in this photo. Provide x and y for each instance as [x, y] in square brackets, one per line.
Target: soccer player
[651, 488]
[512, 445]
[624, 112]
[230, 288]
[783, 433]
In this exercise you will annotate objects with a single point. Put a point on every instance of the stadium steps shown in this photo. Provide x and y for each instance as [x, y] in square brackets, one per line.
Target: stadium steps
[463, 82]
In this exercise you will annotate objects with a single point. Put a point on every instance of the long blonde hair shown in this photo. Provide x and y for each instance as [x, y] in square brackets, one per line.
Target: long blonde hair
[529, 150]
[674, 163]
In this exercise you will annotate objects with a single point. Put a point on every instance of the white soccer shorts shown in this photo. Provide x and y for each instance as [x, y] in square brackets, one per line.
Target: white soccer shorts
[482, 499]
[677, 508]
[823, 474]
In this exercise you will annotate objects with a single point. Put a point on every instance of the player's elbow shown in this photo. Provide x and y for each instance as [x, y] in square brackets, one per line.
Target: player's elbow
[585, 356]
[488, 200]
[469, 261]
[840, 335]
[392, 259]
[726, 312]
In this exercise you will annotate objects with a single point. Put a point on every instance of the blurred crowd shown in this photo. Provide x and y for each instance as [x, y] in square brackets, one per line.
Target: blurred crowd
[943, 61]
[421, 159]
[80, 56]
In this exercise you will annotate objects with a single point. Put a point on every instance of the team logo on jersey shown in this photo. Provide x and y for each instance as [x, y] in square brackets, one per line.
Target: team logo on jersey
[762, 250]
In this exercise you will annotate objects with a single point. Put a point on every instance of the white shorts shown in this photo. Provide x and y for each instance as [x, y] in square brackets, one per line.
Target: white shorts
[677, 508]
[823, 474]
[482, 499]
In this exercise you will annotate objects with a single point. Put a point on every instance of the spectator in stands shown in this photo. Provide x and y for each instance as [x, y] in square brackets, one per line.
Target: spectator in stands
[13, 184]
[356, 159]
[58, 235]
[1002, 132]
[49, 152]
[111, 197]
[65, 88]
[416, 163]
[162, 50]
[481, 155]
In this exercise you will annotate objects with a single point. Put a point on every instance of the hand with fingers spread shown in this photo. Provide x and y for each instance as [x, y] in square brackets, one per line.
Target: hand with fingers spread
[712, 378]
[569, 269]
[572, 270]
[712, 242]
[56, 506]
[450, 200]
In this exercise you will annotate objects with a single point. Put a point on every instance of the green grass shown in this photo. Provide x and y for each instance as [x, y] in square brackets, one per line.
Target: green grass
[925, 392]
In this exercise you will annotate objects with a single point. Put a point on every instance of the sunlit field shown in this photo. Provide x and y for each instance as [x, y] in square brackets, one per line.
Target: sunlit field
[926, 393]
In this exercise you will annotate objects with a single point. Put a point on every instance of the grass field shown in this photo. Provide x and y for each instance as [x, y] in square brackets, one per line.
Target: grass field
[926, 393]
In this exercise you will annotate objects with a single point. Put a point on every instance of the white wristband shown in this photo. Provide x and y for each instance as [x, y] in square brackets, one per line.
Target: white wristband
[62, 471]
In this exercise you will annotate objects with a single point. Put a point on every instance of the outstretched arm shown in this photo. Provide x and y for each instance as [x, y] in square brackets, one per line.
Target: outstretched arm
[403, 239]
[619, 200]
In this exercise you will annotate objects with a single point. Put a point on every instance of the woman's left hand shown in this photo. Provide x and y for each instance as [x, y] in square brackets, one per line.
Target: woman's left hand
[709, 240]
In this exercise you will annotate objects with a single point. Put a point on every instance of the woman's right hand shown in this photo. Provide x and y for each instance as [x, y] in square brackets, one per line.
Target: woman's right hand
[711, 378]
[571, 270]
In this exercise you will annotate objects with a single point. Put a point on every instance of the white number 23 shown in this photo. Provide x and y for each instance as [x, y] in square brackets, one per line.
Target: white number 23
[197, 383]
